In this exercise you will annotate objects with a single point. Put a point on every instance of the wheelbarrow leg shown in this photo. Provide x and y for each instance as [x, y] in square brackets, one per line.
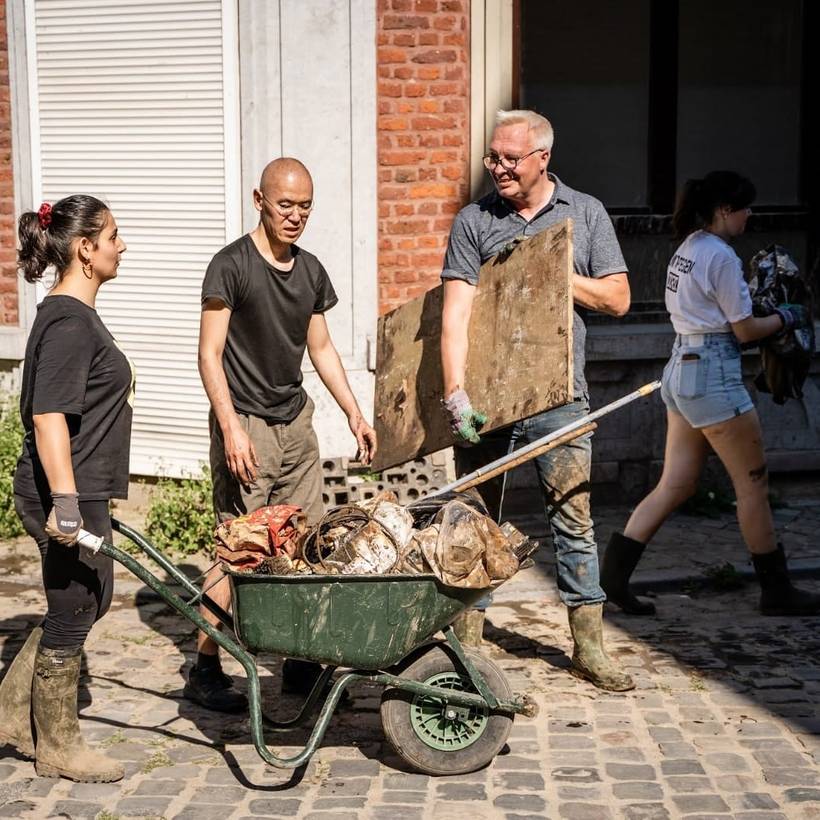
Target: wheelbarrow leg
[318, 687]
[475, 676]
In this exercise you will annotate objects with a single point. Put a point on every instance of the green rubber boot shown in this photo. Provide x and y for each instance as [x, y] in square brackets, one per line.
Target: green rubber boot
[61, 750]
[15, 698]
[469, 627]
[589, 660]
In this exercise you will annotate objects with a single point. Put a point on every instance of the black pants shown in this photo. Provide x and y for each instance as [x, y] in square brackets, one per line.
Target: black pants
[78, 585]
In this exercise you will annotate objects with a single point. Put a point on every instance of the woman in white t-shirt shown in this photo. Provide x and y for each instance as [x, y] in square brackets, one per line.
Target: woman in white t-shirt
[707, 403]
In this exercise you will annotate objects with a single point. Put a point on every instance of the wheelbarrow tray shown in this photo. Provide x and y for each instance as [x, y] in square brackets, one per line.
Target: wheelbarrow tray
[359, 621]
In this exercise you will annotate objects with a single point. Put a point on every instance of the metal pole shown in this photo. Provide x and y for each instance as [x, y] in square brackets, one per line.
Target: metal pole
[519, 456]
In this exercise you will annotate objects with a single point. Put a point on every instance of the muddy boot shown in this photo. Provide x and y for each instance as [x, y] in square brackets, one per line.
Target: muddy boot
[469, 627]
[589, 660]
[15, 698]
[61, 750]
[777, 595]
[620, 559]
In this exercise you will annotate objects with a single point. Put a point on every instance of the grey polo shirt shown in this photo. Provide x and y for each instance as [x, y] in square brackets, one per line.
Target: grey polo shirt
[482, 228]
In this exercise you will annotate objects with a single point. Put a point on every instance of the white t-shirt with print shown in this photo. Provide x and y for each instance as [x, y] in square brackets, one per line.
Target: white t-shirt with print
[705, 288]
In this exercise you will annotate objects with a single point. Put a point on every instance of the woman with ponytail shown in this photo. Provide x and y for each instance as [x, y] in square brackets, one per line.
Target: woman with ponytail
[707, 403]
[75, 403]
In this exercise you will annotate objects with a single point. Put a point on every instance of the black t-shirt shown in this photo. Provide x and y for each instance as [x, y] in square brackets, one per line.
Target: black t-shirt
[270, 313]
[74, 366]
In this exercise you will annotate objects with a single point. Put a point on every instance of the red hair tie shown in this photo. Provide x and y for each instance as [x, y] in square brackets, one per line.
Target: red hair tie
[44, 215]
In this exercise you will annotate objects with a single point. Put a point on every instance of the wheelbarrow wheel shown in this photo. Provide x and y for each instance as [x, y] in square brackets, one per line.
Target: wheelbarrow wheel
[430, 740]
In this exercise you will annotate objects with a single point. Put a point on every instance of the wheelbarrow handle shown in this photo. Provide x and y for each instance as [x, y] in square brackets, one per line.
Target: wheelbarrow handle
[566, 433]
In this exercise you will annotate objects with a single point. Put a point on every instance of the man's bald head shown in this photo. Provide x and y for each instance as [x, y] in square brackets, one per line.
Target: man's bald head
[285, 171]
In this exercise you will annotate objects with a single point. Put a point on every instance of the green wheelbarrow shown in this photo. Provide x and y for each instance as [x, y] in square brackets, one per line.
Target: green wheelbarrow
[445, 709]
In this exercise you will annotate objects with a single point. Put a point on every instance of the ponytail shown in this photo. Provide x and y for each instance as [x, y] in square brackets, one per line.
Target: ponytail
[32, 258]
[46, 236]
[700, 198]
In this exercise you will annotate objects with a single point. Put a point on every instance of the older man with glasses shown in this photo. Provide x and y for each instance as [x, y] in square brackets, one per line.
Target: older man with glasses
[263, 302]
[528, 199]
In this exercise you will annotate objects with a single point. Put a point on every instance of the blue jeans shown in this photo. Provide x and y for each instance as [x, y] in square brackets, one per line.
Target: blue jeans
[564, 477]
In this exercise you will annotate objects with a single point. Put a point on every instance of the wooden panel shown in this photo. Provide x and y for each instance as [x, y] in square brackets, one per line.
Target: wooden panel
[520, 359]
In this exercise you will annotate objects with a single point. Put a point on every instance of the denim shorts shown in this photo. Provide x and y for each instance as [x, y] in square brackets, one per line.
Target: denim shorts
[702, 380]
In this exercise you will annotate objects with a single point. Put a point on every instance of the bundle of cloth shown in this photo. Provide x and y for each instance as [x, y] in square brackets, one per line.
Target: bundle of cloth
[785, 357]
[271, 534]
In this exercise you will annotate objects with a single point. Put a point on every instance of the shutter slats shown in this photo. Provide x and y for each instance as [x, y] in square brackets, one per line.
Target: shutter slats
[131, 110]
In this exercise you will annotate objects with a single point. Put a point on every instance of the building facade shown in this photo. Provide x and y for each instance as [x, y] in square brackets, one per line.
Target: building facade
[170, 109]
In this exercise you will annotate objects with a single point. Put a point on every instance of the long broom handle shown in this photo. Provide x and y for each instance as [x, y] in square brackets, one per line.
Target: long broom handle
[568, 432]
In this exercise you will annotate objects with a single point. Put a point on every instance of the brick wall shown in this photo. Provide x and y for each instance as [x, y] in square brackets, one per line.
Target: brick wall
[423, 139]
[8, 272]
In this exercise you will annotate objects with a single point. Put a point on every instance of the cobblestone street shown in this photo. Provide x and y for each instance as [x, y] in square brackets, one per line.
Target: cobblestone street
[724, 722]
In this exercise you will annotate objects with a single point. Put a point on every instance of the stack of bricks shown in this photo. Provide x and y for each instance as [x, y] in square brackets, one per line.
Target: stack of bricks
[8, 271]
[424, 137]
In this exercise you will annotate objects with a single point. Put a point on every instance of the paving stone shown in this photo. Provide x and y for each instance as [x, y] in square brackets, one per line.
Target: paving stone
[576, 775]
[645, 811]
[759, 815]
[792, 777]
[326, 815]
[780, 758]
[145, 807]
[93, 791]
[17, 808]
[408, 796]
[347, 788]
[754, 801]
[583, 811]
[802, 795]
[520, 802]
[396, 813]
[689, 784]
[204, 811]
[637, 791]
[516, 763]
[665, 734]
[699, 803]
[461, 791]
[354, 768]
[76, 809]
[571, 742]
[630, 771]
[678, 750]
[327, 803]
[519, 781]
[583, 794]
[406, 781]
[275, 806]
[684, 766]
[725, 762]
[224, 795]
[168, 787]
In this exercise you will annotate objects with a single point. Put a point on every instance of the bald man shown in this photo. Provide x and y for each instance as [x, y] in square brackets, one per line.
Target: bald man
[263, 302]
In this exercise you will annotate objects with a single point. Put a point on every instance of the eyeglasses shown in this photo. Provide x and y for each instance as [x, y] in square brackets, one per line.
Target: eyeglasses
[507, 163]
[286, 208]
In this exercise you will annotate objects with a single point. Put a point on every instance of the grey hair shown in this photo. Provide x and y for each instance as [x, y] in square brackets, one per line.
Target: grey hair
[541, 127]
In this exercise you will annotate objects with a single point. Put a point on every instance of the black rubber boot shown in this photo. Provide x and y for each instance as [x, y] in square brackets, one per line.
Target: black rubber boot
[777, 595]
[214, 690]
[298, 676]
[620, 559]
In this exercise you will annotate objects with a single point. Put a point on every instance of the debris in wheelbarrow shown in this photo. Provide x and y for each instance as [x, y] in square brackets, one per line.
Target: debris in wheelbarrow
[272, 532]
[461, 546]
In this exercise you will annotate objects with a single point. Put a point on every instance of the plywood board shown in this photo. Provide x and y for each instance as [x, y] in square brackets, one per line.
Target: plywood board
[520, 357]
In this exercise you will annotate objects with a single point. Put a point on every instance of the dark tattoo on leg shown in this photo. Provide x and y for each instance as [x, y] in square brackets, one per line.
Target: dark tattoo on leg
[758, 474]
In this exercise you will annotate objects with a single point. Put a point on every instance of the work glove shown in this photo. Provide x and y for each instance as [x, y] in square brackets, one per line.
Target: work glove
[465, 422]
[64, 521]
[794, 317]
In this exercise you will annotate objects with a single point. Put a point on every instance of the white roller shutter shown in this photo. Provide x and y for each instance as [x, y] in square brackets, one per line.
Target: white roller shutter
[135, 101]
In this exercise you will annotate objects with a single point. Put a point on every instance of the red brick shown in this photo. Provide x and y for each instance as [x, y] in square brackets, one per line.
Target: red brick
[429, 72]
[415, 89]
[391, 55]
[429, 107]
[440, 189]
[404, 39]
[404, 276]
[392, 21]
[428, 38]
[444, 23]
[432, 123]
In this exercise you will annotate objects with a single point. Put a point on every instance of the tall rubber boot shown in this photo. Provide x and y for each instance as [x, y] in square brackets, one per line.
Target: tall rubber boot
[61, 750]
[589, 660]
[620, 559]
[777, 595]
[15, 698]
[469, 627]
